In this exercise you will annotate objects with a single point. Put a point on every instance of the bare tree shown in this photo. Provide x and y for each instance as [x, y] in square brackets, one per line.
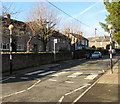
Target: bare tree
[9, 10]
[44, 20]
[34, 29]
[72, 25]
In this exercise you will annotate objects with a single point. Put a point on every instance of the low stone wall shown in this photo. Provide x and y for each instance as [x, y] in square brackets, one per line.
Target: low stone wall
[25, 60]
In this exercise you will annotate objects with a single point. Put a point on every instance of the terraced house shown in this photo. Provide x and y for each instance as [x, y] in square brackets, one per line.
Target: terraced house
[21, 34]
[101, 42]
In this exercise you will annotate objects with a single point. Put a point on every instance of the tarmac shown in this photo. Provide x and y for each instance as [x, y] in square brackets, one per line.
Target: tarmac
[106, 90]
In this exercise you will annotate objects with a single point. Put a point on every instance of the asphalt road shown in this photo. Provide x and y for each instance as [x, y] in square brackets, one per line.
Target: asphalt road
[63, 83]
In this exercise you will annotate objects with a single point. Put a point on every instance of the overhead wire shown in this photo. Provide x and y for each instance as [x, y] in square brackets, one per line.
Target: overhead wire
[70, 15]
[67, 14]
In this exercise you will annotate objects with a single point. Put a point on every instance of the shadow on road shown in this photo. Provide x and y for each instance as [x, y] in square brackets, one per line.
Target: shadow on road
[44, 72]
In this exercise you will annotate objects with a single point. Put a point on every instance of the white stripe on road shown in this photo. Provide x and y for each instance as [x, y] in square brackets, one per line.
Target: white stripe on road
[21, 90]
[52, 80]
[76, 90]
[61, 99]
[57, 74]
[46, 73]
[69, 82]
[35, 72]
[84, 92]
[91, 77]
[12, 77]
[6, 79]
[33, 85]
[23, 78]
[75, 75]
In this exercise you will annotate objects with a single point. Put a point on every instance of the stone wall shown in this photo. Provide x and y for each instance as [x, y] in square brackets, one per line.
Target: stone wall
[25, 60]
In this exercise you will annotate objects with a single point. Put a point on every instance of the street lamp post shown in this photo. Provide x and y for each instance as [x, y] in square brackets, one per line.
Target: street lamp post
[110, 28]
[95, 36]
[10, 28]
[55, 41]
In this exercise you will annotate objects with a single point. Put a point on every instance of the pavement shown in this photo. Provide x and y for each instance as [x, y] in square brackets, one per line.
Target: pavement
[105, 90]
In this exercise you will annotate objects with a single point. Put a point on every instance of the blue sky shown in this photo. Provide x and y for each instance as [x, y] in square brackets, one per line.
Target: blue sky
[89, 13]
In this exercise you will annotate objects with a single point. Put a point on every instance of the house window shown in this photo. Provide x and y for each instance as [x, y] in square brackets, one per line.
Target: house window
[4, 46]
[58, 40]
[83, 42]
[0, 46]
[86, 43]
[63, 41]
[20, 47]
[100, 44]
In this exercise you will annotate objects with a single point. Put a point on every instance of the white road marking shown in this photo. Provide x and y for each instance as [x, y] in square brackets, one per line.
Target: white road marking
[69, 82]
[91, 77]
[12, 77]
[36, 78]
[84, 92]
[61, 99]
[52, 80]
[57, 74]
[75, 75]
[23, 78]
[6, 79]
[46, 73]
[21, 90]
[76, 90]
[33, 85]
[35, 72]
[67, 69]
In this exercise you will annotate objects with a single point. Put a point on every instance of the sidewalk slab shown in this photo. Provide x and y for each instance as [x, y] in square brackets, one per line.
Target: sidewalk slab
[101, 93]
[109, 79]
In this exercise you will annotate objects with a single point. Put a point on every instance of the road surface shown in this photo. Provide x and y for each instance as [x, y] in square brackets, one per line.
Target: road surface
[63, 83]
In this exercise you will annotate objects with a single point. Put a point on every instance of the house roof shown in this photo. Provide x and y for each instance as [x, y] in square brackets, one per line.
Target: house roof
[59, 35]
[79, 36]
[17, 24]
[99, 39]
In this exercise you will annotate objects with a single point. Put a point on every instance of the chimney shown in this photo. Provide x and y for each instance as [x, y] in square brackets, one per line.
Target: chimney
[79, 33]
[67, 30]
[8, 16]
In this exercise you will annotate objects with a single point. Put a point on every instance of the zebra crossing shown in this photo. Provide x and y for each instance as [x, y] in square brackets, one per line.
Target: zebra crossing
[28, 76]
[31, 73]
[41, 73]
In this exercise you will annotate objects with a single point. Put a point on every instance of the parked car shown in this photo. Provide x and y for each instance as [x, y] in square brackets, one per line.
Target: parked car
[96, 54]
[87, 56]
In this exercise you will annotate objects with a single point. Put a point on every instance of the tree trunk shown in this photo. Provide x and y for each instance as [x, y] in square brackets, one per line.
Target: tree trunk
[44, 44]
[28, 44]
